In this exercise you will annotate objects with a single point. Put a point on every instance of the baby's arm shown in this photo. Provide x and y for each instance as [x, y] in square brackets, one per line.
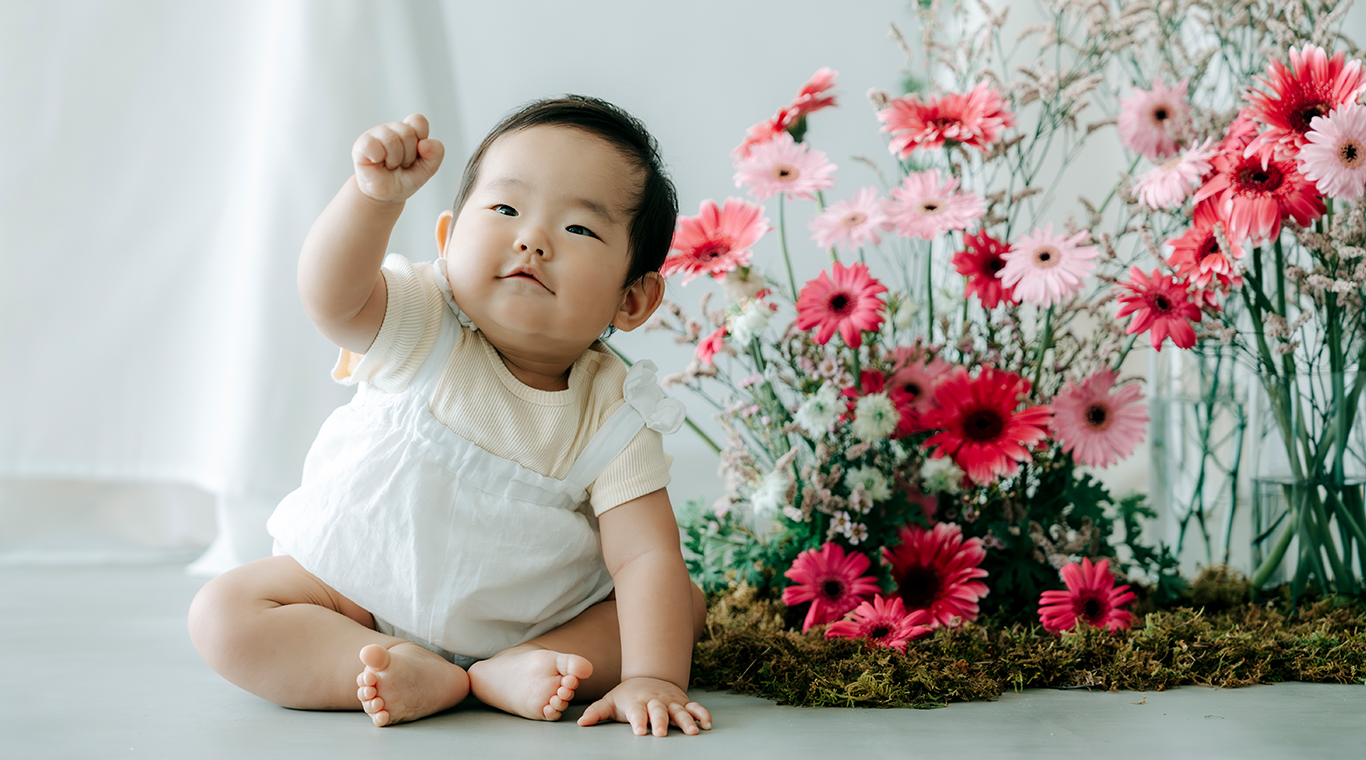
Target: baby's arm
[339, 268]
[654, 606]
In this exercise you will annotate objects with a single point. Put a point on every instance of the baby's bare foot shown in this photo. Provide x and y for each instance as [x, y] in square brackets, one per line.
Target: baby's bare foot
[407, 682]
[529, 681]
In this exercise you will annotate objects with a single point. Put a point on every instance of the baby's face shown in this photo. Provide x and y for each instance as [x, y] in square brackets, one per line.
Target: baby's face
[541, 247]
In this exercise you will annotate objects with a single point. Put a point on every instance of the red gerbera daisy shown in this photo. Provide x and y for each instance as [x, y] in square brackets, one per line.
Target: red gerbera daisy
[1196, 255]
[1312, 86]
[1159, 304]
[979, 425]
[717, 240]
[980, 262]
[974, 119]
[831, 581]
[884, 622]
[1255, 192]
[849, 303]
[936, 571]
[1091, 595]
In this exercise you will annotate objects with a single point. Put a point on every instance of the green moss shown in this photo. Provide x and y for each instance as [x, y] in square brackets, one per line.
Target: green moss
[749, 649]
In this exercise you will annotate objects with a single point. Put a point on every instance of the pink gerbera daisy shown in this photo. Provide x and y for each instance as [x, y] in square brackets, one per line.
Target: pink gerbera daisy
[979, 426]
[716, 241]
[884, 622]
[980, 262]
[975, 119]
[710, 346]
[1168, 185]
[1335, 157]
[924, 206]
[1098, 427]
[1256, 192]
[1196, 255]
[848, 302]
[1044, 269]
[831, 581]
[1312, 86]
[1091, 596]
[936, 571]
[1159, 304]
[852, 223]
[783, 165]
[1152, 121]
[911, 388]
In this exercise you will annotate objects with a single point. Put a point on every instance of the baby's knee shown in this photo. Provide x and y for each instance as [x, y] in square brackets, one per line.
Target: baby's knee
[215, 614]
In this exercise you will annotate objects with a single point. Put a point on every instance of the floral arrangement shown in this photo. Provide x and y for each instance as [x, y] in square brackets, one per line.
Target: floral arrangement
[913, 434]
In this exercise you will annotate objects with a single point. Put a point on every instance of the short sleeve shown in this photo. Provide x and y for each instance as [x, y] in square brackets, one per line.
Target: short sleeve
[412, 320]
[640, 469]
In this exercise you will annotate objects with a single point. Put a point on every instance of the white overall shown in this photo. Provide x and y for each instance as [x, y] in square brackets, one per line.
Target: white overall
[446, 544]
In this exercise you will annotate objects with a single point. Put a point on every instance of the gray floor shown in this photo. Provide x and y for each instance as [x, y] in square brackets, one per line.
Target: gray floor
[98, 665]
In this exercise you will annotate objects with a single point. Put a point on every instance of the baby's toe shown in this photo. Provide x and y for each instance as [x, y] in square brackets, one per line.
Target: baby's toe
[366, 693]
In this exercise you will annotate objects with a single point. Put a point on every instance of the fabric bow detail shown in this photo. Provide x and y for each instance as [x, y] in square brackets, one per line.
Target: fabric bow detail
[661, 411]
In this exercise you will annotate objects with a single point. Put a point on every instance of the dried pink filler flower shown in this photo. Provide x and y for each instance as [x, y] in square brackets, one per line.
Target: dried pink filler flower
[783, 165]
[1168, 185]
[1098, 427]
[925, 206]
[848, 302]
[1045, 269]
[1091, 596]
[852, 223]
[831, 581]
[975, 119]
[884, 622]
[937, 571]
[716, 241]
[1151, 121]
[1160, 304]
[1334, 158]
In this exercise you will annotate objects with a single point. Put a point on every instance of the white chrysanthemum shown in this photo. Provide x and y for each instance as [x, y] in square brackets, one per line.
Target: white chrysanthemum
[874, 483]
[770, 495]
[875, 416]
[752, 318]
[819, 412]
[941, 476]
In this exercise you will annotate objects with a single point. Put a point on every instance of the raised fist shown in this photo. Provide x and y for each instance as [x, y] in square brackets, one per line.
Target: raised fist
[395, 159]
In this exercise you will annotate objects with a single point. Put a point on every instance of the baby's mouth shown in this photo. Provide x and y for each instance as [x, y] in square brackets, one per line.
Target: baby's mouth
[527, 276]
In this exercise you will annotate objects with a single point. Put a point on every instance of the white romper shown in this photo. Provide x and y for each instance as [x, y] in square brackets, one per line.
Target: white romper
[444, 543]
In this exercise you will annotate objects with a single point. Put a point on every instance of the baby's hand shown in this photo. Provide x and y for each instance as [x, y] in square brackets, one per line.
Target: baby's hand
[393, 160]
[644, 702]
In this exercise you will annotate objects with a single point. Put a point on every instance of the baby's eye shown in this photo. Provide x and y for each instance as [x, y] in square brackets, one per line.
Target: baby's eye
[505, 209]
[579, 229]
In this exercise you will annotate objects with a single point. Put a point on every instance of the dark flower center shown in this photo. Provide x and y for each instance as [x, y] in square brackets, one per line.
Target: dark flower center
[855, 219]
[983, 425]
[832, 589]
[1349, 153]
[911, 389]
[1160, 303]
[879, 631]
[713, 251]
[1097, 415]
[1252, 178]
[995, 265]
[929, 207]
[1091, 609]
[784, 172]
[1160, 114]
[1209, 247]
[918, 586]
[1046, 256]
[1304, 115]
[839, 303]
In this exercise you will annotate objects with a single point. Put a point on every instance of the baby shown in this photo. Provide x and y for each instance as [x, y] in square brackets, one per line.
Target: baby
[488, 515]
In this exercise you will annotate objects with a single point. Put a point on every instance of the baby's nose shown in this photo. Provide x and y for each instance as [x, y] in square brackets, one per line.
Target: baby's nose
[539, 251]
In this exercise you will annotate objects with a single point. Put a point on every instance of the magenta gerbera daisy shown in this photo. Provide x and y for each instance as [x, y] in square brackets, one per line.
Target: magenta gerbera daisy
[974, 119]
[716, 241]
[783, 165]
[1196, 255]
[831, 581]
[1091, 596]
[1334, 156]
[884, 622]
[1098, 427]
[937, 571]
[1313, 85]
[1152, 121]
[911, 389]
[846, 300]
[1256, 192]
[1168, 185]
[979, 425]
[1045, 269]
[1159, 304]
[852, 223]
[979, 263]
[925, 206]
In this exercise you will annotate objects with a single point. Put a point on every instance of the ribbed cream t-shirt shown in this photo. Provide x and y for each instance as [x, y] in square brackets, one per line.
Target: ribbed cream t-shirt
[482, 402]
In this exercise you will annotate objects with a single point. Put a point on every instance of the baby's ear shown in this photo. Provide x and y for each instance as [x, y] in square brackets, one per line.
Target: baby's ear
[639, 302]
[443, 229]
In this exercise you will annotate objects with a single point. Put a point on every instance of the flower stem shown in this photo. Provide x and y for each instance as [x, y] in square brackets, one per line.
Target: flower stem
[1044, 347]
[782, 242]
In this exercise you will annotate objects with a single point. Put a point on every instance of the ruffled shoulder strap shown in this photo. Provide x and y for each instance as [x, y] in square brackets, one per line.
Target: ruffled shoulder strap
[646, 405]
[445, 286]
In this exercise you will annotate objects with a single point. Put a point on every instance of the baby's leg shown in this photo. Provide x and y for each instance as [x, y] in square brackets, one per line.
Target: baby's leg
[580, 660]
[279, 632]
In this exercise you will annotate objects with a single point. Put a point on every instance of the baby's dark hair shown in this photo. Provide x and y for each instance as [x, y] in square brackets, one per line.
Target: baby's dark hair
[656, 210]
